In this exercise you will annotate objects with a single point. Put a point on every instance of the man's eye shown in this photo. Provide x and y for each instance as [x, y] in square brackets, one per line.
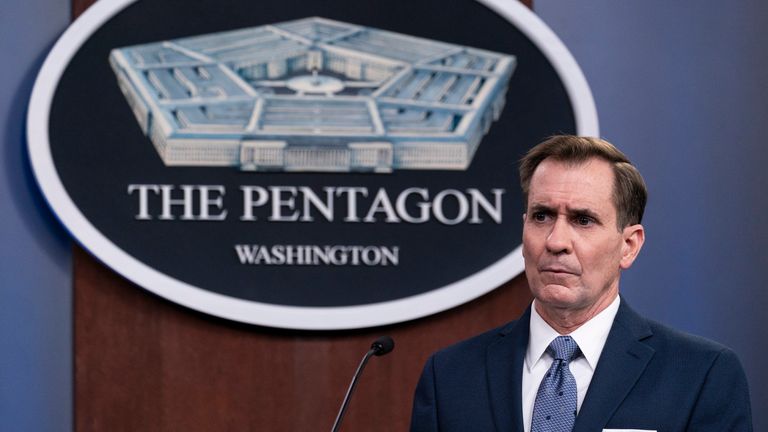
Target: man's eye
[583, 220]
[539, 216]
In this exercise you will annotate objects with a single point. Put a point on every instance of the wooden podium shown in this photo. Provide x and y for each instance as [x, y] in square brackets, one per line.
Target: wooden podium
[145, 364]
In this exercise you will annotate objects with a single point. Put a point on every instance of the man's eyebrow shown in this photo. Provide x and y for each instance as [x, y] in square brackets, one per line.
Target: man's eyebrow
[537, 207]
[583, 212]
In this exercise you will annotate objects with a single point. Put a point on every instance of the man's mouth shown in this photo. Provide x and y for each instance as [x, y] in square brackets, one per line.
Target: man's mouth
[557, 270]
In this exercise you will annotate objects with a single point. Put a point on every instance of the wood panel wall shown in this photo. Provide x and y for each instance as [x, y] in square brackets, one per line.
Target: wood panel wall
[145, 364]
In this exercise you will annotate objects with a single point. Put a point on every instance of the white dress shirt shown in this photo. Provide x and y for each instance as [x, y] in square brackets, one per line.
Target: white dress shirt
[590, 337]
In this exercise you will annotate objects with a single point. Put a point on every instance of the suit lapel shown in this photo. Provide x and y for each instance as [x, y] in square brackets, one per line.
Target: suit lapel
[622, 361]
[504, 365]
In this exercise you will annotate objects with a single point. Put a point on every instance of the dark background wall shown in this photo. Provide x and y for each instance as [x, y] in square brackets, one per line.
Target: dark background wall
[680, 89]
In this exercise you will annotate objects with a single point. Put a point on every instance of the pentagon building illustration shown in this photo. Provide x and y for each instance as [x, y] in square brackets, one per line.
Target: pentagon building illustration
[313, 95]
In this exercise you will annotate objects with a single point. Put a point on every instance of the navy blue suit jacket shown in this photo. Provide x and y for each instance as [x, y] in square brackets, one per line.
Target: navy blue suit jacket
[648, 377]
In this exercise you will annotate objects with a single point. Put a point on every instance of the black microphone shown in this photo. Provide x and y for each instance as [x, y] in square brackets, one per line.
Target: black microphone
[381, 346]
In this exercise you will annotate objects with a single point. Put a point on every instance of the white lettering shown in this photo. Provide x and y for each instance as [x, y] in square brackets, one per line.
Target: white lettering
[352, 193]
[246, 253]
[143, 199]
[371, 256]
[278, 254]
[278, 202]
[217, 202]
[305, 204]
[381, 203]
[461, 200]
[326, 208]
[391, 255]
[168, 202]
[402, 209]
[262, 256]
[315, 255]
[249, 203]
[494, 211]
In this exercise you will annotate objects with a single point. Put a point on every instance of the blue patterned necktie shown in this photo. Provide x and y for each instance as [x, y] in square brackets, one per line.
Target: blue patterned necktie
[555, 406]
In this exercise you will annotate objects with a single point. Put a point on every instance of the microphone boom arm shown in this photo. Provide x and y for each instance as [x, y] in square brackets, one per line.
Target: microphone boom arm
[351, 388]
[379, 347]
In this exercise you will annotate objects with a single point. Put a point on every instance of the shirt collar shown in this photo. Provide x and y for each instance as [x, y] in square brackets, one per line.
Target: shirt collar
[590, 337]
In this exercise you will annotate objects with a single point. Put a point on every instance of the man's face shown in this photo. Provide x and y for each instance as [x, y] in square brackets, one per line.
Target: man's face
[572, 248]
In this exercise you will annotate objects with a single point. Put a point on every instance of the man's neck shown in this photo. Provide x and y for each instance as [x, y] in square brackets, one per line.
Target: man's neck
[565, 320]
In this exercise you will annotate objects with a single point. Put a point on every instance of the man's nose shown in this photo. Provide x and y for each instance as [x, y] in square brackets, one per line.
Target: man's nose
[559, 239]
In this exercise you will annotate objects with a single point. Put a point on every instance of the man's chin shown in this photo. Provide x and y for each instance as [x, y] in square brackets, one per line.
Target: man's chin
[557, 296]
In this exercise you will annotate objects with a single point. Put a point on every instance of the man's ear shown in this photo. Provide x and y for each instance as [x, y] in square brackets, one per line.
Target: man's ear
[524, 217]
[634, 237]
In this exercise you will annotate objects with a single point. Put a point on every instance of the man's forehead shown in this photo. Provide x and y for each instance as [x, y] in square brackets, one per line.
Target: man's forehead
[589, 162]
[595, 170]
[584, 185]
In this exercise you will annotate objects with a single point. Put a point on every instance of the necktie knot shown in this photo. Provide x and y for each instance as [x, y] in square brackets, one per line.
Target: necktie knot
[563, 348]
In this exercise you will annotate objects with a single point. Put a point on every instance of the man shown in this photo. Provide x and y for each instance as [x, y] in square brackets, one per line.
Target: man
[579, 358]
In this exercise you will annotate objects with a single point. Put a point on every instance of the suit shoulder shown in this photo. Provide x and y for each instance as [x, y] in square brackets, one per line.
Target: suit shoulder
[722, 393]
[689, 348]
[665, 339]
